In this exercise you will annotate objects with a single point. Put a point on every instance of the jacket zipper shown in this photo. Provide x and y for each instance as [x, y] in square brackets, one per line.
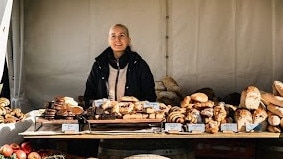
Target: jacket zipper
[116, 83]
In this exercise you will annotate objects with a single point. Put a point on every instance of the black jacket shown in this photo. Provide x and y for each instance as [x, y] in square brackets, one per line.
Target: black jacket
[140, 81]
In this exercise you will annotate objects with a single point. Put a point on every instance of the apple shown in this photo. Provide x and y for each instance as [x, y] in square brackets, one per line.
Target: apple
[34, 155]
[6, 150]
[21, 154]
[26, 147]
[15, 147]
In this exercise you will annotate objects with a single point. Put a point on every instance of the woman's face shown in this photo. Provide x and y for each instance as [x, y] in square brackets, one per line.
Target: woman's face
[118, 39]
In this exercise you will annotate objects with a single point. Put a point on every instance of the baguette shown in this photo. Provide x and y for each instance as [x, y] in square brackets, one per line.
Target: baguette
[275, 109]
[270, 98]
[273, 119]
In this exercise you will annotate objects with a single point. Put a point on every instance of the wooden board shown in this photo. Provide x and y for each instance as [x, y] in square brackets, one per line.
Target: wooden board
[115, 121]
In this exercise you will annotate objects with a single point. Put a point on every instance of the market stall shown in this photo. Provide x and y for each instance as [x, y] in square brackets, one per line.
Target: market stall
[228, 52]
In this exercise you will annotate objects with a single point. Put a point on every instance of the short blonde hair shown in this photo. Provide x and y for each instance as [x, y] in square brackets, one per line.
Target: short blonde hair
[122, 26]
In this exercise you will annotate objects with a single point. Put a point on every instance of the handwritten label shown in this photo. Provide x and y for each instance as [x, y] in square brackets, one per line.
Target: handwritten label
[196, 127]
[70, 128]
[229, 127]
[173, 127]
[154, 105]
[253, 127]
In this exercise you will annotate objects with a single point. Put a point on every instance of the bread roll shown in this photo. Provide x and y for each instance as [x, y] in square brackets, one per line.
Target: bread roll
[250, 98]
[199, 97]
[278, 85]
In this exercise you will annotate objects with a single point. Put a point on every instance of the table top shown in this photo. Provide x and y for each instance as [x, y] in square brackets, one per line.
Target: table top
[94, 135]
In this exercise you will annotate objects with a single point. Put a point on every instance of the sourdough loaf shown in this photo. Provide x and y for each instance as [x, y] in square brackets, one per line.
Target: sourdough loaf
[250, 98]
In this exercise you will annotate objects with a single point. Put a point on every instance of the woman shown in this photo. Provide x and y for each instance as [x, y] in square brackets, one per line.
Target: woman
[118, 71]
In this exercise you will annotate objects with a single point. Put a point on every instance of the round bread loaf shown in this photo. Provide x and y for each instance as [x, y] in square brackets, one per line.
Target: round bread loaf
[199, 97]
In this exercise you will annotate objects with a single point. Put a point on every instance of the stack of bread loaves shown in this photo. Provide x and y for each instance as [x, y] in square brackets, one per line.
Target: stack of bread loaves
[250, 110]
[274, 103]
[197, 108]
[168, 91]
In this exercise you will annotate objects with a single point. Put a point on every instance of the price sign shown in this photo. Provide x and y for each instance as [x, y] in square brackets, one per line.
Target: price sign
[229, 127]
[98, 102]
[154, 105]
[253, 127]
[70, 128]
[196, 127]
[173, 127]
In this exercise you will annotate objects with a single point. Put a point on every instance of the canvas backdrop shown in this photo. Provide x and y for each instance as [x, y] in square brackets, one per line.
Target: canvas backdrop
[226, 45]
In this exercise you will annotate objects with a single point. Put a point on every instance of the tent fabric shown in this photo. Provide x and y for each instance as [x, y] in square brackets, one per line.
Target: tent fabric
[226, 45]
[5, 14]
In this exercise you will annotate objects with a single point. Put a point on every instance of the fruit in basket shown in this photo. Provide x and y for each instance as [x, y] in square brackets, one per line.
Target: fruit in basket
[34, 155]
[26, 147]
[21, 154]
[15, 147]
[6, 150]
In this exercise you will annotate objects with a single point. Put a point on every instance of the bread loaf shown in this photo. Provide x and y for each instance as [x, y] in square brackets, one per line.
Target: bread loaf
[259, 115]
[250, 98]
[199, 97]
[281, 123]
[278, 85]
[243, 117]
[159, 86]
[171, 85]
[270, 98]
[273, 119]
[273, 129]
[275, 109]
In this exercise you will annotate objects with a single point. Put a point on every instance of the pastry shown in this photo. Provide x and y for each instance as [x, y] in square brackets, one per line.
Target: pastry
[128, 99]
[193, 116]
[186, 102]
[4, 102]
[77, 110]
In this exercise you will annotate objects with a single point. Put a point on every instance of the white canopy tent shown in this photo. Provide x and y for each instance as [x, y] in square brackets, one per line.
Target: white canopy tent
[226, 45]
